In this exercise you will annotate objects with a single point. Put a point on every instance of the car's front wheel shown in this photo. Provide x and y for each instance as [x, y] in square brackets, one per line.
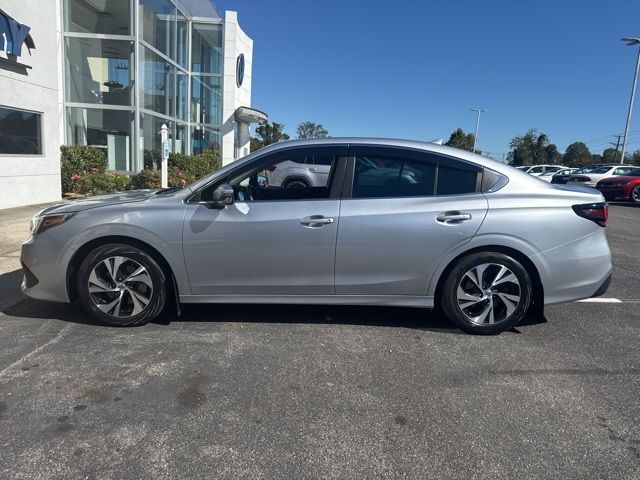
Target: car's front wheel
[486, 293]
[121, 285]
[635, 194]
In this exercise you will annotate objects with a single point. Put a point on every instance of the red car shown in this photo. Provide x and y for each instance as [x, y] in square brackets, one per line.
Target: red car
[627, 186]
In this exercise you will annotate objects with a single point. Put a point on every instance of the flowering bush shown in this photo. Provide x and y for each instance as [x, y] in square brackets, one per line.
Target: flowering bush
[77, 161]
[99, 183]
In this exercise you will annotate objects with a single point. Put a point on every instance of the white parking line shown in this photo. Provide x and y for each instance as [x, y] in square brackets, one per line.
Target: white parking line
[601, 300]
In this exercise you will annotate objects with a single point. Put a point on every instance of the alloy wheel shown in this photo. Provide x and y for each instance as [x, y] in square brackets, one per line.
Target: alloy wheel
[120, 287]
[635, 194]
[488, 293]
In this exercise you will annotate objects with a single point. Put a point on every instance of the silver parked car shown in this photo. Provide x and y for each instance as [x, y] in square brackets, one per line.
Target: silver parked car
[395, 223]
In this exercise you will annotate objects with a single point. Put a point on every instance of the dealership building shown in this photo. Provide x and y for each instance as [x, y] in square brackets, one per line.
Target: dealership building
[109, 74]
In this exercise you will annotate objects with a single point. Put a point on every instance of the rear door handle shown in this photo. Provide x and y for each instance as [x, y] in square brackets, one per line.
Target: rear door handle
[315, 221]
[453, 217]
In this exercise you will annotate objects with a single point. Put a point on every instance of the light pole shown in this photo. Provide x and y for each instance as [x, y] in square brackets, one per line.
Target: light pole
[475, 138]
[632, 42]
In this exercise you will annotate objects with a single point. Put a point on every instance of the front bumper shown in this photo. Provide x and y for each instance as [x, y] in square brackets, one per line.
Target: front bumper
[614, 192]
[44, 263]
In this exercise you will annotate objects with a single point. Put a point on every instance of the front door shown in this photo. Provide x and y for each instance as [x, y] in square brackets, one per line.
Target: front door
[274, 239]
[406, 211]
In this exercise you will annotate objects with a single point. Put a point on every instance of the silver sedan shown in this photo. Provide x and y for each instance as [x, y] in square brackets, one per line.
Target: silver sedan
[394, 223]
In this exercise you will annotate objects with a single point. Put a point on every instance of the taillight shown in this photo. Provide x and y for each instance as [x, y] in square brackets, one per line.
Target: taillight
[272, 168]
[596, 212]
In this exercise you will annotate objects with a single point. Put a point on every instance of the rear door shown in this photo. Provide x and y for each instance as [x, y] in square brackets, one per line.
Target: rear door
[402, 211]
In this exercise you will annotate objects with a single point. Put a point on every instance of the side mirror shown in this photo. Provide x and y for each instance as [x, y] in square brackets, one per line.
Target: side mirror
[222, 196]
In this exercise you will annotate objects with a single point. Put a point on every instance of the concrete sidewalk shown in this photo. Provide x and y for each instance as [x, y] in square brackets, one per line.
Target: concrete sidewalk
[14, 229]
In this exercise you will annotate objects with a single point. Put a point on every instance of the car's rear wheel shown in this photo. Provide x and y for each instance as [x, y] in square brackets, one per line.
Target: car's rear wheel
[486, 293]
[121, 285]
[635, 194]
[296, 183]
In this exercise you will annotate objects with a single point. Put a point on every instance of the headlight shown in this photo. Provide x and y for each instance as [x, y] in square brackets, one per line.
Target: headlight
[44, 223]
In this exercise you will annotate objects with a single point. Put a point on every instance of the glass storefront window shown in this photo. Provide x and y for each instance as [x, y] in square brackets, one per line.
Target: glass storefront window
[206, 100]
[205, 140]
[180, 138]
[181, 95]
[182, 56]
[20, 132]
[157, 83]
[150, 144]
[158, 24]
[206, 48]
[109, 130]
[99, 71]
[105, 16]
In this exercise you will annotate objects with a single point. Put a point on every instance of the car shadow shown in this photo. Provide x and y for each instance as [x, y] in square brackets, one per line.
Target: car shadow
[627, 204]
[13, 303]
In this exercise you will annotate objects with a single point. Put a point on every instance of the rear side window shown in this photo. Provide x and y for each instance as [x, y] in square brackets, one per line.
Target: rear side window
[454, 181]
[377, 177]
[413, 175]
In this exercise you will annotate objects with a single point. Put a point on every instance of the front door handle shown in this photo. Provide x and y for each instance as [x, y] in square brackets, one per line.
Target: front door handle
[315, 221]
[453, 217]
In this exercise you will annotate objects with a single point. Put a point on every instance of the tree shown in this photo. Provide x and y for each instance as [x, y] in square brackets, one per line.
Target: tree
[577, 155]
[633, 158]
[312, 130]
[611, 155]
[461, 140]
[268, 133]
[532, 148]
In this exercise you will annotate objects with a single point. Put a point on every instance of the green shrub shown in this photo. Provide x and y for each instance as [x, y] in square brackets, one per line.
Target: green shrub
[183, 169]
[146, 179]
[77, 161]
[99, 183]
[196, 166]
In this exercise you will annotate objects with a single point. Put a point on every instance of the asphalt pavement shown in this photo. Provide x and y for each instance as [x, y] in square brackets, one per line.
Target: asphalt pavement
[283, 392]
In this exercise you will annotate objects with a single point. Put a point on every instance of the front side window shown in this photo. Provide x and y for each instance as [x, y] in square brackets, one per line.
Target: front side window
[293, 177]
[20, 132]
[536, 170]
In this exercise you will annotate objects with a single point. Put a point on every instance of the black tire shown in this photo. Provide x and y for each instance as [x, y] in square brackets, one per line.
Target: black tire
[635, 194]
[296, 183]
[449, 303]
[157, 292]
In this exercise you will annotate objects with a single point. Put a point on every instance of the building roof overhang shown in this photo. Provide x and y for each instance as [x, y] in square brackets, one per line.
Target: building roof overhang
[250, 115]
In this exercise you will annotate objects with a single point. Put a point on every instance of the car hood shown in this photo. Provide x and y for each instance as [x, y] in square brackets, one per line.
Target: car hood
[99, 201]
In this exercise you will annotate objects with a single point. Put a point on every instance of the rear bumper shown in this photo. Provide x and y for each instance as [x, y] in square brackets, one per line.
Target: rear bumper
[604, 287]
[577, 270]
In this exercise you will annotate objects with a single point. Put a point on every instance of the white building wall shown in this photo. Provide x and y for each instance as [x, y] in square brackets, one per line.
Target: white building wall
[26, 180]
[236, 42]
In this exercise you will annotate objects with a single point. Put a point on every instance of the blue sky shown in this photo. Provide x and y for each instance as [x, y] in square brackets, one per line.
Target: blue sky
[413, 69]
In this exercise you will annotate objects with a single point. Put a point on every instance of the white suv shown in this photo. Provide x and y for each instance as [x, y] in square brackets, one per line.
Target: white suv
[537, 170]
[300, 172]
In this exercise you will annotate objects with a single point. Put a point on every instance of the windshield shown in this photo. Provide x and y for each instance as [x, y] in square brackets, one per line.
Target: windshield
[599, 170]
[589, 169]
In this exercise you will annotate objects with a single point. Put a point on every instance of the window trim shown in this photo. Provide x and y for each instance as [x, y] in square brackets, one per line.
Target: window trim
[413, 154]
[40, 115]
[338, 172]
